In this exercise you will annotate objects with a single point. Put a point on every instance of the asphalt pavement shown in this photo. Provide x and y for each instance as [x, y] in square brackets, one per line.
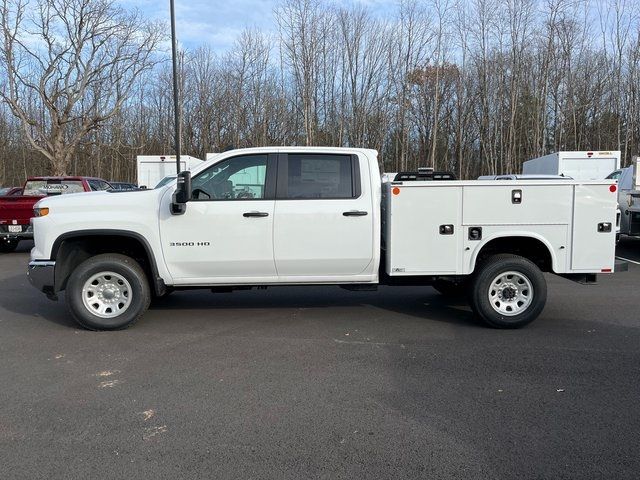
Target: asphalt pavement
[319, 382]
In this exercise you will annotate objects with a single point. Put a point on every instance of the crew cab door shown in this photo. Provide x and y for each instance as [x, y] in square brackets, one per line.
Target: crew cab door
[226, 233]
[324, 217]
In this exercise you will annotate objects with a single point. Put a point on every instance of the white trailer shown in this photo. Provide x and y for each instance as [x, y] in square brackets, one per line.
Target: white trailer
[153, 168]
[587, 165]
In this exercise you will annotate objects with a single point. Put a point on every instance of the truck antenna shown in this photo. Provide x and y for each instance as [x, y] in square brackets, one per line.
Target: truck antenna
[176, 103]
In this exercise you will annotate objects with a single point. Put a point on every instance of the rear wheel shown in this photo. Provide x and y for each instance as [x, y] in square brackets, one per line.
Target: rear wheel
[108, 292]
[8, 245]
[508, 291]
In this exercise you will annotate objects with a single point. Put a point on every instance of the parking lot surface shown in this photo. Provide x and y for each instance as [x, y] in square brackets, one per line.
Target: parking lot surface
[318, 382]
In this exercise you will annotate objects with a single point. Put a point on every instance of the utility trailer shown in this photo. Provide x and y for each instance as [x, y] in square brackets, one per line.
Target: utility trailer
[586, 165]
[153, 168]
[265, 217]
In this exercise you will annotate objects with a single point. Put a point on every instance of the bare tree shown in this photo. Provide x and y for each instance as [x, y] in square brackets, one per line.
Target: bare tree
[79, 60]
[475, 86]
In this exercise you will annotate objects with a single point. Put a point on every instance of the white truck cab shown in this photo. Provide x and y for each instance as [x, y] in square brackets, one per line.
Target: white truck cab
[319, 215]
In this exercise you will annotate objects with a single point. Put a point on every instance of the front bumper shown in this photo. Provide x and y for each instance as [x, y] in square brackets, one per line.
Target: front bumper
[41, 274]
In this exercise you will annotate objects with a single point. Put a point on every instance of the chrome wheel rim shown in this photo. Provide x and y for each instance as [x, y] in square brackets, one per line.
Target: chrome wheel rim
[106, 294]
[510, 293]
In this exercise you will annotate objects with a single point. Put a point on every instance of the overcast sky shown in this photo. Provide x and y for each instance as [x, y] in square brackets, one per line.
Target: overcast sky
[217, 22]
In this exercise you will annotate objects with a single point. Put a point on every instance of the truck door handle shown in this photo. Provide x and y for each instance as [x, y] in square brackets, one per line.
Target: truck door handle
[355, 213]
[255, 214]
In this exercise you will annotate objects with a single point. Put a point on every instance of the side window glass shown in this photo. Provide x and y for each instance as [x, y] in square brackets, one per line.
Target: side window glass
[319, 176]
[238, 178]
[97, 185]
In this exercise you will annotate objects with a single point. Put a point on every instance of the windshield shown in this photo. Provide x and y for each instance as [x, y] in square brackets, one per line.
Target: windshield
[52, 187]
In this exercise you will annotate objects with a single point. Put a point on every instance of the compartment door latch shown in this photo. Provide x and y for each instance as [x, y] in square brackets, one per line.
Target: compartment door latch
[446, 229]
[516, 196]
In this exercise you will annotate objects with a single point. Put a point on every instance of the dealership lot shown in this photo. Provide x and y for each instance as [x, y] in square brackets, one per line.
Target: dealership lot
[303, 382]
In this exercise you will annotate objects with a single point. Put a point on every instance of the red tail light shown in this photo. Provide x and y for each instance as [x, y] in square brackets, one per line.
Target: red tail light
[613, 188]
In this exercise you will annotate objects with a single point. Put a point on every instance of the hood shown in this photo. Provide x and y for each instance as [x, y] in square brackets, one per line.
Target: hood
[100, 201]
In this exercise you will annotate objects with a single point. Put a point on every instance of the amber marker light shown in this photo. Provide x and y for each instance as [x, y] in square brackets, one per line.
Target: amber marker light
[41, 212]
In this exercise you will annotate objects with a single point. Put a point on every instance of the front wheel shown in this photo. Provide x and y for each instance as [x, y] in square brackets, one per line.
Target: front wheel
[508, 291]
[108, 292]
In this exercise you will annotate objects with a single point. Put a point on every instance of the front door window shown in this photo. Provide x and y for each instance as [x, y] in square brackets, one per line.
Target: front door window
[239, 178]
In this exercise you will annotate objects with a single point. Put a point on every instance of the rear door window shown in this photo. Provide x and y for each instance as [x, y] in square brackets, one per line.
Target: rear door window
[319, 176]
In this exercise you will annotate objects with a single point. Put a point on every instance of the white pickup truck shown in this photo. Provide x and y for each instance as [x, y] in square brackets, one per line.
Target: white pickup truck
[318, 216]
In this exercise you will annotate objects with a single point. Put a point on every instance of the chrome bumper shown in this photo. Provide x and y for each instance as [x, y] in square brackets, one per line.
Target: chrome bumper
[41, 274]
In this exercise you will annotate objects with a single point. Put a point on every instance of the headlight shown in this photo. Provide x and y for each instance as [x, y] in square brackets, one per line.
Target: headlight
[629, 200]
[40, 211]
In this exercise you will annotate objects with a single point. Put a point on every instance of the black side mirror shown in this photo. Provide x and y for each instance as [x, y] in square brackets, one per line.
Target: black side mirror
[182, 194]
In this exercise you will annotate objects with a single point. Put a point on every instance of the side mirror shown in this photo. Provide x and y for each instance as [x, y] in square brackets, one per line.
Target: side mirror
[182, 194]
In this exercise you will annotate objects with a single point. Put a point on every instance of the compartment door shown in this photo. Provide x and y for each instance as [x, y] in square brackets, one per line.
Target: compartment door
[593, 251]
[417, 245]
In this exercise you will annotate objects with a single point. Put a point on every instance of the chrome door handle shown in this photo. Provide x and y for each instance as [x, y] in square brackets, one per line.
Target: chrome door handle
[255, 214]
[355, 213]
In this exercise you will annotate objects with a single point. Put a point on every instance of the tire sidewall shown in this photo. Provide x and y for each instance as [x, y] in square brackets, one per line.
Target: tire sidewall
[125, 266]
[482, 282]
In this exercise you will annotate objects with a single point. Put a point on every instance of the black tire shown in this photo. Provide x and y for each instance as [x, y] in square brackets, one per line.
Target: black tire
[8, 245]
[139, 295]
[449, 288]
[494, 313]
